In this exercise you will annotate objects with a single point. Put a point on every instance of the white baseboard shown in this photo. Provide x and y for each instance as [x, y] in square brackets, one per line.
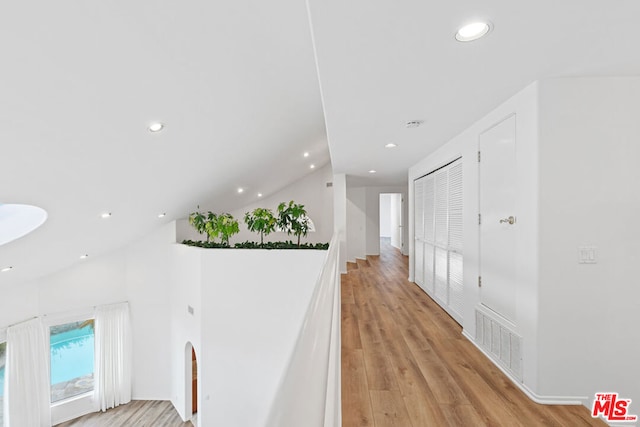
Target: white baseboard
[544, 400]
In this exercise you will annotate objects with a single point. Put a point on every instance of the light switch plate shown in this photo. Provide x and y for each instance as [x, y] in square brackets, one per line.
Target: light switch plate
[587, 255]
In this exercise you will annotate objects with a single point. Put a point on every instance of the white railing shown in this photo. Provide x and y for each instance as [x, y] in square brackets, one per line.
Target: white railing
[309, 394]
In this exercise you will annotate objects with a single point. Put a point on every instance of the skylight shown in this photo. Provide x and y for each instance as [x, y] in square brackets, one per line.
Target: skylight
[19, 220]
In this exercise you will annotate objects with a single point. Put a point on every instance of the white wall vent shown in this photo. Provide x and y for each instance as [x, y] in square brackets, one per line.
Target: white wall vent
[502, 344]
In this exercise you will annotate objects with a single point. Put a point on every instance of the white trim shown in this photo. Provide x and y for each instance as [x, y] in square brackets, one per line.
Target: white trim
[77, 315]
[543, 400]
[82, 404]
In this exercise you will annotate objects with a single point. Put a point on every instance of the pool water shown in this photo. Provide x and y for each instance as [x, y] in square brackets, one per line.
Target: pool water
[2, 381]
[72, 354]
[3, 352]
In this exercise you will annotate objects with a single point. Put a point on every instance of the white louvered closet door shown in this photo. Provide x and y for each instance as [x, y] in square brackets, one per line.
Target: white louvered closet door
[438, 237]
[456, 290]
[441, 208]
[418, 191]
[441, 235]
[429, 284]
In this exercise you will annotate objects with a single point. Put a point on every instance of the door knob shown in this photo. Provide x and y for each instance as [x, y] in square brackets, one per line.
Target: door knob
[511, 220]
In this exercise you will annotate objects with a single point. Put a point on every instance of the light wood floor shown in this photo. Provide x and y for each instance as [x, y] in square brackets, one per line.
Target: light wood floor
[405, 361]
[138, 413]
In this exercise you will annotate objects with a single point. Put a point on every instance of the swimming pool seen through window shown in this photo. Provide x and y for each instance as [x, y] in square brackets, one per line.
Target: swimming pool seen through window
[72, 359]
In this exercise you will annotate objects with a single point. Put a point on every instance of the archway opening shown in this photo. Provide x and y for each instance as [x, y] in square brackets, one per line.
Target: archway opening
[191, 383]
[194, 383]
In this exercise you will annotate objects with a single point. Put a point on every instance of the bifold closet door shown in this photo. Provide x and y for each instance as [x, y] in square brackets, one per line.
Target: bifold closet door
[438, 237]
[456, 289]
[418, 191]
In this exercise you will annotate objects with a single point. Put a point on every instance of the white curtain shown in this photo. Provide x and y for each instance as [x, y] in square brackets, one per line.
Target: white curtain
[113, 356]
[28, 400]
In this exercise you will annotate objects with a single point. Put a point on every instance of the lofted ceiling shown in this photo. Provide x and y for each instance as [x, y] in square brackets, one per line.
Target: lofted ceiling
[243, 89]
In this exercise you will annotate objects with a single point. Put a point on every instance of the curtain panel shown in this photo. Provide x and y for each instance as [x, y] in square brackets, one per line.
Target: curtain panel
[113, 356]
[27, 383]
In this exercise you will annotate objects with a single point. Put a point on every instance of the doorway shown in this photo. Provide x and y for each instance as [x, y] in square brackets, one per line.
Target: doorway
[194, 384]
[190, 407]
[391, 219]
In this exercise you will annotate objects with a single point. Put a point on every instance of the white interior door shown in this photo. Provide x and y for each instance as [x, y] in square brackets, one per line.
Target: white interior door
[400, 202]
[498, 218]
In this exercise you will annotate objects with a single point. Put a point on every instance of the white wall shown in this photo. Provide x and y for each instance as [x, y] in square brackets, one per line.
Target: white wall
[589, 196]
[148, 292]
[340, 216]
[18, 303]
[139, 274]
[385, 215]
[524, 105]
[356, 224]
[576, 154]
[186, 328]
[310, 191]
[248, 311]
[363, 227]
[309, 393]
[395, 206]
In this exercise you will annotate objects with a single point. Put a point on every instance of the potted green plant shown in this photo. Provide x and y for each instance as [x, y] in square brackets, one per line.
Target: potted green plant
[201, 222]
[223, 226]
[293, 219]
[214, 226]
[262, 221]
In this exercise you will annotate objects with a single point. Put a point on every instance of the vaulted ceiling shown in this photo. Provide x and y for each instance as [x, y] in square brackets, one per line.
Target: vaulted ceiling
[243, 89]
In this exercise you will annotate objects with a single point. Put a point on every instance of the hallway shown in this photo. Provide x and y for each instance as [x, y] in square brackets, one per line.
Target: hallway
[406, 363]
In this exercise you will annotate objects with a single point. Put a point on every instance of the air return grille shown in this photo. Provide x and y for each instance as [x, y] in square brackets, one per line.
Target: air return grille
[502, 344]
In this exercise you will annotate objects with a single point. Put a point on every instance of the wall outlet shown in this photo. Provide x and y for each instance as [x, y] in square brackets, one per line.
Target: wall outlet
[587, 255]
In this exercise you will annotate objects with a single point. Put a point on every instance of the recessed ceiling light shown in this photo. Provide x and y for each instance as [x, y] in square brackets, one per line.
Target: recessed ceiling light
[391, 145]
[85, 256]
[240, 190]
[5, 269]
[162, 215]
[259, 194]
[413, 123]
[372, 171]
[106, 215]
[156, 127]
[312, 166]
[306, 154]
[473, 31]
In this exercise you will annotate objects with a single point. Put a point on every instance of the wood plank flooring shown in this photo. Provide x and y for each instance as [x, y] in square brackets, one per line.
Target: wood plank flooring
[405, 362]
[137, 413]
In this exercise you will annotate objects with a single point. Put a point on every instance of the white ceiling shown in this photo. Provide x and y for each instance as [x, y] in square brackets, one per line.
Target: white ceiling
[236, 84]
[383, 63]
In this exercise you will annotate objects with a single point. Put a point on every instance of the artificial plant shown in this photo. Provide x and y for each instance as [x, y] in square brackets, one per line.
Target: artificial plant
[262, 221]
[293, 219]
[224, 226]
[215, 225]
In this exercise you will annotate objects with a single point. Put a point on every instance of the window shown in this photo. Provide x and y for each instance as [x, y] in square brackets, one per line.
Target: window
[72, 350]
[3, 352]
